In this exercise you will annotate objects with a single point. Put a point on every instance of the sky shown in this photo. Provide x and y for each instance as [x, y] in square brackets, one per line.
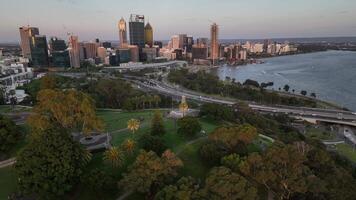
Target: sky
[237, 19]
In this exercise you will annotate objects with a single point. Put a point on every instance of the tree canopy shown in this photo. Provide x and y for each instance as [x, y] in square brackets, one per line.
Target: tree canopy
[50, 164]
[68, 109]
[9, 134]
[150, 171]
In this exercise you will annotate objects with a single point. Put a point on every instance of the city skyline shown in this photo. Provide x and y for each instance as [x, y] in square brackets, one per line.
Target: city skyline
[236, 19]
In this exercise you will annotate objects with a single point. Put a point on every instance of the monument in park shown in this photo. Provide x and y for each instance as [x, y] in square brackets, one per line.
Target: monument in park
[183, 110]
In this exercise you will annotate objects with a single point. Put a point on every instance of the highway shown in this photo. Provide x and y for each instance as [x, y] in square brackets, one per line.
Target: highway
[309, 114]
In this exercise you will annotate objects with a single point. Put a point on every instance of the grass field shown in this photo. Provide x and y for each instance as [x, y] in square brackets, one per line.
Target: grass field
[319, 134]
[8, 181]
[347, 151]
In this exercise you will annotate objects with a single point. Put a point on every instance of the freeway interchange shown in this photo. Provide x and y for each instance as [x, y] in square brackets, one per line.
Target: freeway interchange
[309, 114]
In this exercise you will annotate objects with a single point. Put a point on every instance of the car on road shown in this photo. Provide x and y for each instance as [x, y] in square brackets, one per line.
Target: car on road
[314, 115]
[354, 113]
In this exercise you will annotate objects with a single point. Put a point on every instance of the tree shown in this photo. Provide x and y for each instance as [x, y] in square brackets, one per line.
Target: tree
[223, 184]
[9, 134]
[231, 137]
[2, 95]
[280, 170]
[303, 92]
[68, 109]
[250, 82]
[232, 162]
[212, 152]
[313, 95]
[133, 125]
[50, 164]
[157, 125]
[286, 88]
[150, 171]
[129, 146]
[152, 143]
[114, 156]
[156, 100]
[112, 93]
[217, 112]
[98, 181]
[188, 126]
[48, 82]
[185, 188]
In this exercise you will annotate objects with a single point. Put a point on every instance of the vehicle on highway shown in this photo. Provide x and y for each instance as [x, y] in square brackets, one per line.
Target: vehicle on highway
[339, 116]
[314, 115]
[354, 113]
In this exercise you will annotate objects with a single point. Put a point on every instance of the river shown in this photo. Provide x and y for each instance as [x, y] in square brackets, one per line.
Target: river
[331, 74]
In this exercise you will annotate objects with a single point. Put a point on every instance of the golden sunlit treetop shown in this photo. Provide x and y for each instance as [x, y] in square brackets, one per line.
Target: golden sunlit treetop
[68, 109]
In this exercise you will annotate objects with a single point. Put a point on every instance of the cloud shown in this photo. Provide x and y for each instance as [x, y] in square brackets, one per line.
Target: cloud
[343, 12]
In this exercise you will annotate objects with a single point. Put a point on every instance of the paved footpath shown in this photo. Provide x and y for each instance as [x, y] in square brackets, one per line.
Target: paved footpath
[7, 162]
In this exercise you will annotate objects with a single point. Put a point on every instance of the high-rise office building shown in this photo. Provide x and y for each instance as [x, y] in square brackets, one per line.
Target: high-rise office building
[189, 44]
[202, 41]
[102, 53]
[122, 32]
[134, 53]
[26, 33]
[106, 44]
[137, 30]
[90, 50]
[214, 43]
[57, 44]
[149, 35]
[175, 42]
[39, 51]
[182, 40]
[74, 51]
[59, 53]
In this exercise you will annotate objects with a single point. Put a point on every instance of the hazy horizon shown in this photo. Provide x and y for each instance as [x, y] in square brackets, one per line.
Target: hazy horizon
[236, 18]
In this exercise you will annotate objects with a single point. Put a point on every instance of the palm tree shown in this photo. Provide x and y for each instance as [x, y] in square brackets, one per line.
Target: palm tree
[114, 156]
[129, 146]
[133, 125]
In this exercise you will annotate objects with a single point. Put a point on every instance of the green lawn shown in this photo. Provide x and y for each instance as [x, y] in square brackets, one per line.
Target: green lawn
[118, 120]
[8, 182]
[347, 151]
[319, 134]
[115, 121]
[193, 165]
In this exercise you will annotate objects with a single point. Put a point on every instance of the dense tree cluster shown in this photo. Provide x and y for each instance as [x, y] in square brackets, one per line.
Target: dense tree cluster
[150, 172]
[50, 164]
[188, 126]
[197, 81]
[68, 109]
[9, 135]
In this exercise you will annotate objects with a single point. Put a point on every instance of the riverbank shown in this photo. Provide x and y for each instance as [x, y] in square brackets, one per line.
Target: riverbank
[330, 75]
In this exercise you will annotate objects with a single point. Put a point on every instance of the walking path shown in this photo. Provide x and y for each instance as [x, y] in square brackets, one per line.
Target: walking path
[7, 162]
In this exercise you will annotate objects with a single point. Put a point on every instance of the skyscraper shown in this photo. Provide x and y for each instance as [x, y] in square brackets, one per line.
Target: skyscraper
[26, 33]
[214, 43]
[137, 30]
[175, 42]
[39, 51]
[90, 50]
[74, 51]
[122, 33]
[149, 35]
[59, 53]
[182, 40]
